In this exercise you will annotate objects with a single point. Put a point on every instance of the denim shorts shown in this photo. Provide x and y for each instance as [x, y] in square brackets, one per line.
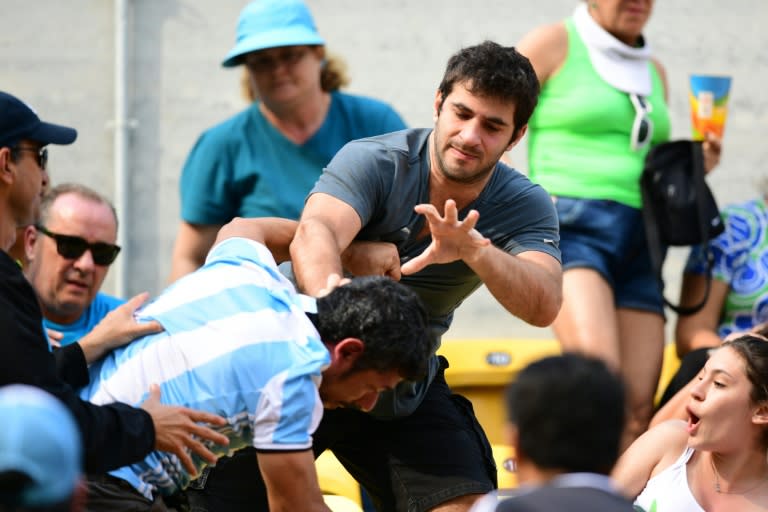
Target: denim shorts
[609, 237]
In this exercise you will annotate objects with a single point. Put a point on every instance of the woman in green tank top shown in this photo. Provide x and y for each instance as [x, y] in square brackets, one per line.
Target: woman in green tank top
[602, 106]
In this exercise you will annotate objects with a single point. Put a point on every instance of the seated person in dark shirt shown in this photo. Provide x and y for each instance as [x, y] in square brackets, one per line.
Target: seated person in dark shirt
[566, 416]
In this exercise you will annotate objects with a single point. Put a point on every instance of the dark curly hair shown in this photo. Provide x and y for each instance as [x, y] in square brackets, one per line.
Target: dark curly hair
[387, 316]
[495, 71]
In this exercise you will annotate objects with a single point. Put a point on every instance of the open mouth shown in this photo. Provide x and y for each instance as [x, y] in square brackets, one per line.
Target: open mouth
[693, 421]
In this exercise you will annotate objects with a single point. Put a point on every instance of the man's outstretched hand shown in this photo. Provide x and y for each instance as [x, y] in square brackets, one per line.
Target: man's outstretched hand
[452, 239]
[177, 430]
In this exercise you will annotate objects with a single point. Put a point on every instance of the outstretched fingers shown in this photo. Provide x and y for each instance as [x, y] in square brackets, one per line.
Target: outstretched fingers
[450, 212]
[450, 217]
[429, 211]
[470, 221]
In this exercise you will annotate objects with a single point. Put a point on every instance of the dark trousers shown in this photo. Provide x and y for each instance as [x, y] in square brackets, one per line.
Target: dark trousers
[109, 494]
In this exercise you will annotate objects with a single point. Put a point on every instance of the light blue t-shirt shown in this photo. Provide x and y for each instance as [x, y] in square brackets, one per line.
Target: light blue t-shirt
[244, 167]
[98, 309]
[237, 343]
[741, 260]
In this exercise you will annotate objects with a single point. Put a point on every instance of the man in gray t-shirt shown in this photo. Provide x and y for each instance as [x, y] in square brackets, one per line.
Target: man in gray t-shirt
[382, 178]
[446, 216]
[457, 218]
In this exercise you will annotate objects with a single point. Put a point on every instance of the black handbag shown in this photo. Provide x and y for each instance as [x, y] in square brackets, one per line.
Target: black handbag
[678, 207]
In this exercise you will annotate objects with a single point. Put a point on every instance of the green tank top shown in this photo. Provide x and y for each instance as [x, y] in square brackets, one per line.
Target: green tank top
[579, 134]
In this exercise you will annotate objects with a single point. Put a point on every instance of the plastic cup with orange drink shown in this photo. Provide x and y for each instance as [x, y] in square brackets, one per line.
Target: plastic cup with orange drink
[708, 95]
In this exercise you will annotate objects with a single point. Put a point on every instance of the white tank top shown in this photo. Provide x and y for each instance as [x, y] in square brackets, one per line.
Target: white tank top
[668, 491]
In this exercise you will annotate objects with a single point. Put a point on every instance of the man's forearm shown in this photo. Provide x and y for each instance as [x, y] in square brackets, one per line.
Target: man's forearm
[274, 232]
[315, 255]
[285, 472]
[529, 287]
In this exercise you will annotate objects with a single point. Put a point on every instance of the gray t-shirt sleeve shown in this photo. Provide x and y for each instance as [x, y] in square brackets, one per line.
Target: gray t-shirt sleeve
[518, 216]
[359, 174]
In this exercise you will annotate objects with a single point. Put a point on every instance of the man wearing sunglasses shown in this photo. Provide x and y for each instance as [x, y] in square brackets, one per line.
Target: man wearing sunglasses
[69, 252]
[114, 434]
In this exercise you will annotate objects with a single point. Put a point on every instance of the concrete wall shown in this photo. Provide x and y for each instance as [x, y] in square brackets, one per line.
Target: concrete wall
[59, 56]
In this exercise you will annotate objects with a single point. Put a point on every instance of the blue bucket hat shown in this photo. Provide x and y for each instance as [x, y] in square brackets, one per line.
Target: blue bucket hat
[18, 121]
[272, 23]
[40, 440]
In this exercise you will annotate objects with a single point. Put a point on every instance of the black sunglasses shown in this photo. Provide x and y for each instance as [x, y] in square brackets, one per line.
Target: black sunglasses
[42, 154]
[72, 247]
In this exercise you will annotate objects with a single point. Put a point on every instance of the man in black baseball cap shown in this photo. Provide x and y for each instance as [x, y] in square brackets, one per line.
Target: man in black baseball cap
[114, 435]
[19, 121]
[23, 160]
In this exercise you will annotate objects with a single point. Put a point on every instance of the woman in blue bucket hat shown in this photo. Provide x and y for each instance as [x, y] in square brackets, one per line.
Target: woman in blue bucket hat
[263, 161]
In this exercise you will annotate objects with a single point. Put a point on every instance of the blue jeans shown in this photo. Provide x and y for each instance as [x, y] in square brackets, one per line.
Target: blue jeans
[609, 238]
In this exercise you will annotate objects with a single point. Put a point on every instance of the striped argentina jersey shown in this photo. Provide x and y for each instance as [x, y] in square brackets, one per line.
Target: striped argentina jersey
[236, 343]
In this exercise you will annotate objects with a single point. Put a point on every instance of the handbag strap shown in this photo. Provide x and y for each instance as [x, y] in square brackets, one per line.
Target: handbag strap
[655, 247]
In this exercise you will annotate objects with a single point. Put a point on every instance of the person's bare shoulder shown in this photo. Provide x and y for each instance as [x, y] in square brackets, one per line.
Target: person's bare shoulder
[662, 75]
[672, 437]
[651, 453]
[664, 442]
[546, 47]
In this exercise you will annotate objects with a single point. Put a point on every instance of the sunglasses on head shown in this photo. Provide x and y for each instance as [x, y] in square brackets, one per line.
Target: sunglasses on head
[72, 247]
[41, 154]
[642, 126]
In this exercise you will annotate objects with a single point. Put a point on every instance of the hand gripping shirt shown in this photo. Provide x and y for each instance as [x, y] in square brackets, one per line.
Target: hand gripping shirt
[384, 177]
[237, 343]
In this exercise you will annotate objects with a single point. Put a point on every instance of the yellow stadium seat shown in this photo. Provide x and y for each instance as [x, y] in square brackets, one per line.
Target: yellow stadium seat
[668, 368]
[480, 369]
[342, 493]
[501, 454]
[335, 480]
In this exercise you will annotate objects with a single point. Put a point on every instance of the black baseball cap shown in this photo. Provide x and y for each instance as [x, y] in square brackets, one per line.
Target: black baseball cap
[18, 121]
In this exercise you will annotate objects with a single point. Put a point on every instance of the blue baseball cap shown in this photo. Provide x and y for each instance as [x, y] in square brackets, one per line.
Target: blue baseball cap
[19, 121]
[272, 23]
[40, 439]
